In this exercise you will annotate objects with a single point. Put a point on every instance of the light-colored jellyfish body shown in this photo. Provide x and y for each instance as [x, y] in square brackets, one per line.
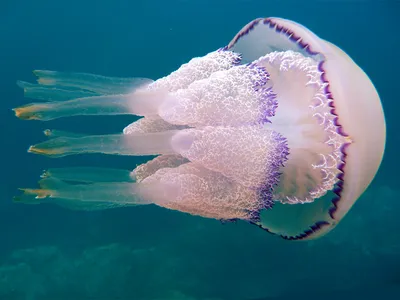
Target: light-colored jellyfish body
[278, 128]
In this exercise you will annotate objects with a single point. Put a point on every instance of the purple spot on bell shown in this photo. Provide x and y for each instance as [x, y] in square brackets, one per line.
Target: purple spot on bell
[271, 23]
[311, 52]
[323, 77]
[313, 228]
[308, 232]
[294, 38]
[340, 184]
[336, 122]
[322, 224]
[335, 200]
[327, 90]
[337, 191]
[321, 67]
[302, 44]
[343, 149]
[333, 209]
[341, 131]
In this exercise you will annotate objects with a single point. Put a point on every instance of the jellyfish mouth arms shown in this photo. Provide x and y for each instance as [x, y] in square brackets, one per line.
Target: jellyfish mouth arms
[355, 103]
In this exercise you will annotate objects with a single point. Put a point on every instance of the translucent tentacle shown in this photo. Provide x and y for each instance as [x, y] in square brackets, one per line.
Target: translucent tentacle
[88, 174]
[110, 105]
[96, 83]
[99, 195]
[51, 93]
[121, 144]
[120, 192]
[28, 198]
[139, 103]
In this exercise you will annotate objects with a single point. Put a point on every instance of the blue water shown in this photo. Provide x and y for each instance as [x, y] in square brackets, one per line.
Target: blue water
[151, 253]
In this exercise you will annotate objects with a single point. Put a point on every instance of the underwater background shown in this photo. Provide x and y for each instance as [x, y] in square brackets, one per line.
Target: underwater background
[150, 253]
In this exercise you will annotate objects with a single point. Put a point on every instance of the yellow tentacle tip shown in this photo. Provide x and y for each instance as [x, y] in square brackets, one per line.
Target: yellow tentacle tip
[40, 193]
[348, 139]
[41, 79]
[35, 150]
[27, 112]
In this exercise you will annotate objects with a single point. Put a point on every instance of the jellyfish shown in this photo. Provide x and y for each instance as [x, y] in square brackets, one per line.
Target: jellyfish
[278, 128]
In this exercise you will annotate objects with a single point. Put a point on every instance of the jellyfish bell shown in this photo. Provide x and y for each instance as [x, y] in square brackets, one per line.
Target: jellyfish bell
[278, 128]
[357, 116]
